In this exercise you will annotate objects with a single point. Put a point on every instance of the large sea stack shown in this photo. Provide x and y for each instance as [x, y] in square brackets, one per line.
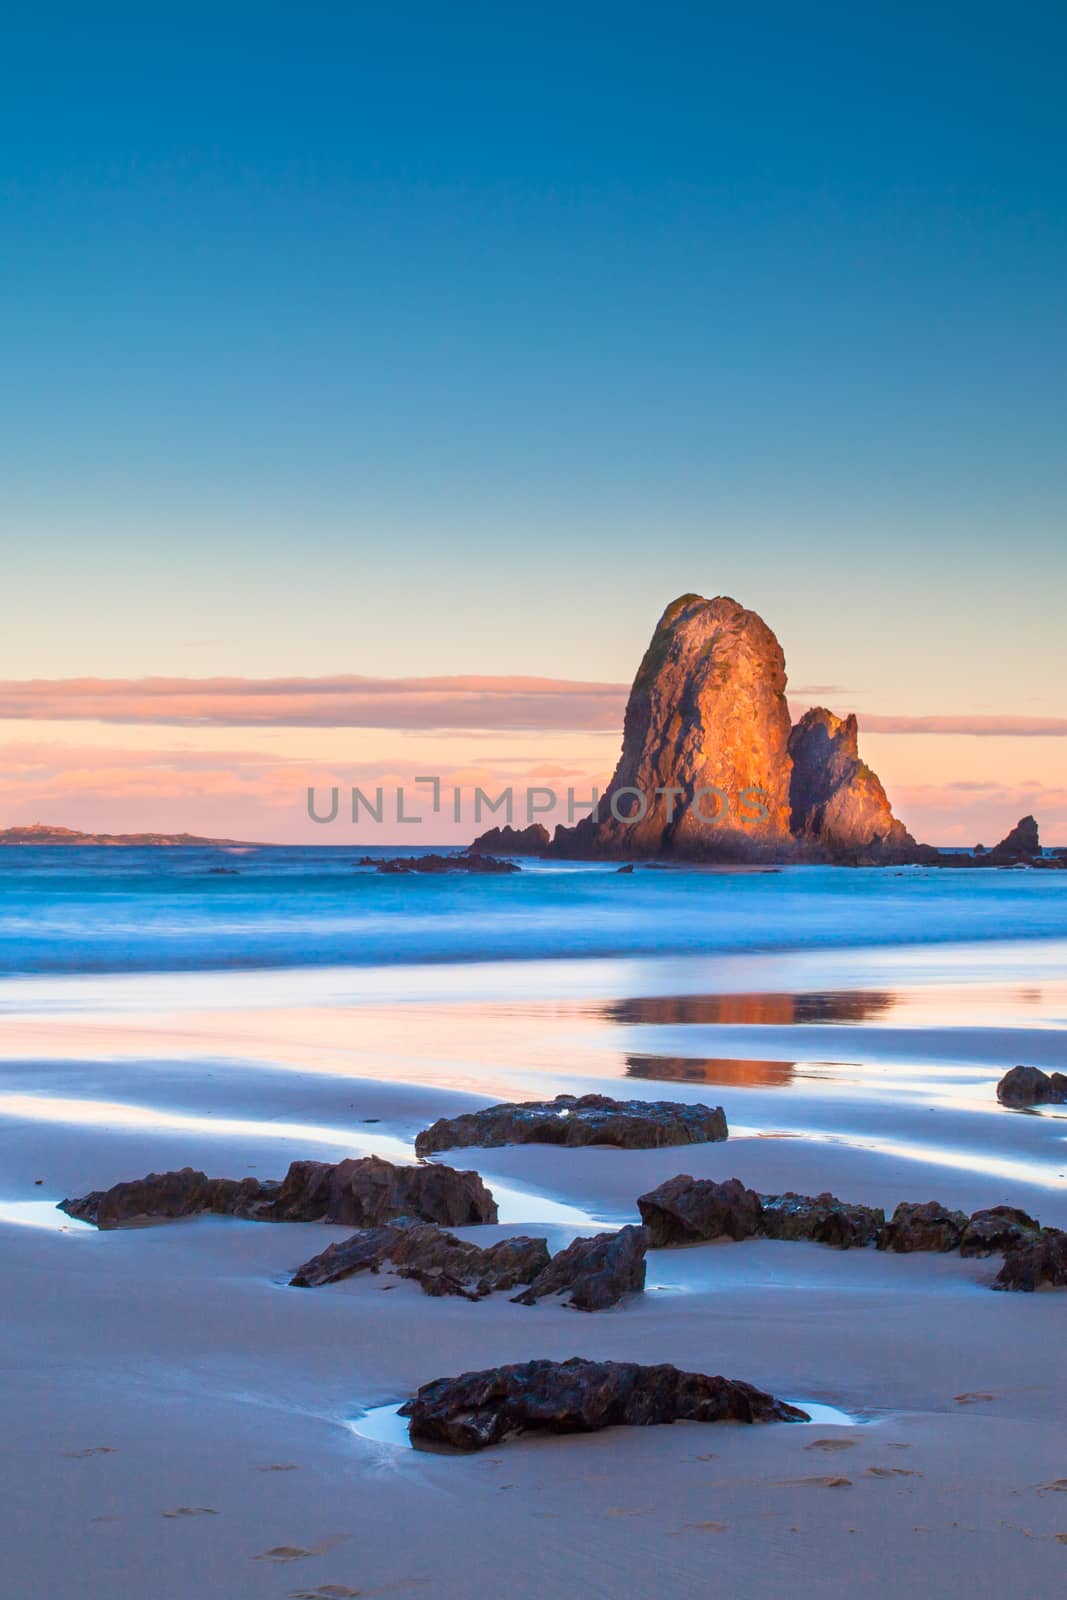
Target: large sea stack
[713, 770]
[707, 726]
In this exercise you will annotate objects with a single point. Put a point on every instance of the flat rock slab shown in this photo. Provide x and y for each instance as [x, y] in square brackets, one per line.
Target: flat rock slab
[579, 1120]
[479, 1409]
[359, 1193]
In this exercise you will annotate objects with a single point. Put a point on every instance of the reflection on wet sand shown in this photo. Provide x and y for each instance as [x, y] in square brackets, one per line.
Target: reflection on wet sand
[712, 1069]
[774, 1010]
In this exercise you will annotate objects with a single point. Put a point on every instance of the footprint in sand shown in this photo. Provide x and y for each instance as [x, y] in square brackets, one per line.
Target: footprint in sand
[93, 1450]
[893, 1472]
[830, 1445]
[325, 1591]
[298, 1552]
[192, 1511]
[828, 1482]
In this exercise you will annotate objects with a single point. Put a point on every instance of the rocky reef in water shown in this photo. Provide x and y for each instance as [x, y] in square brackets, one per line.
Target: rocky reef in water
[713, 769]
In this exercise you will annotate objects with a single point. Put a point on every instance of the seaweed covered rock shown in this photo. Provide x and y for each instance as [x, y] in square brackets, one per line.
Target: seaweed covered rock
[593, 1273]
[358, 1193]
[1039, 1264]
[823, 1219]
[925, 1226]
[685, 1210]
[996, 1230]
[578, 1120]
[478, 1409]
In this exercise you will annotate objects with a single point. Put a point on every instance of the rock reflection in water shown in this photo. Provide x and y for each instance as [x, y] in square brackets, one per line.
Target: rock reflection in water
[773, 1010]
[713, 1069]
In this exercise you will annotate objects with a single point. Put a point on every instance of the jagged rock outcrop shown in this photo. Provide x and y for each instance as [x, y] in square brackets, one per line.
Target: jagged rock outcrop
[509, 841]
[439, 1262]
[837, 805]
[578, 1120]
[922, 1226]
[482, 1408]
[168, 1196]
[684, 1210]
[1029, 1086]
[1021, 844]
[707, 712]
[1019, 848]
[593, 1273]
[359, 1194]
[823, 1219]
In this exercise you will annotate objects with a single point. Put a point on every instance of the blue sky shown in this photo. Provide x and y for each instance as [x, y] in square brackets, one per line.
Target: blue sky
[450, 339]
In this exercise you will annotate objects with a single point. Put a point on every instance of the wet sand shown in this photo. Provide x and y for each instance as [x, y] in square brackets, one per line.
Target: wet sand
[178, 1422]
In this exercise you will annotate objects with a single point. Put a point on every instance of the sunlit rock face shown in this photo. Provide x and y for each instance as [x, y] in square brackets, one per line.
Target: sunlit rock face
[707, 712]
[838, 806]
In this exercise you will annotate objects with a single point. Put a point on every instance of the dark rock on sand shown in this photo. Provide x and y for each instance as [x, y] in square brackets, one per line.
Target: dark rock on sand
[363, 1193]
[595, 1273]
[570, 1120]
[1040, 1264]
[439, 1262]
[824, 1219]
[684, 1210]
[508, 841]
[927, 1226]
[360, 1194]
[166, 1196]
[1029, 1086]
[481, 1408]
[996, 1230]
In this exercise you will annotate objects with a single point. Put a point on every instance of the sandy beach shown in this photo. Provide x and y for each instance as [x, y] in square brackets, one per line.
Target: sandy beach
[180, 1422]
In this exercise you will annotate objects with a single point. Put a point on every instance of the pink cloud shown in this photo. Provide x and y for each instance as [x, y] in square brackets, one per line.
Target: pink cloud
[345, 702]
[478, 704]
[995, 727]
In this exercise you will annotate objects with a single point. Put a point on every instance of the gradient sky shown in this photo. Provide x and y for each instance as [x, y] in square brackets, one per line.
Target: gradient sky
[431, 340]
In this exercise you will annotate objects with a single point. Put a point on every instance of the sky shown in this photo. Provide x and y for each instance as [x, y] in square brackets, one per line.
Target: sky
[347, 342]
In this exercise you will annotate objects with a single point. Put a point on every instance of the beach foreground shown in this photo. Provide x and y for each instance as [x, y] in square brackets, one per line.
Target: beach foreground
[180, 1422]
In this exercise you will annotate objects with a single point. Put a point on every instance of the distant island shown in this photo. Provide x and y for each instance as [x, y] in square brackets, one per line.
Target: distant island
[43, 833]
